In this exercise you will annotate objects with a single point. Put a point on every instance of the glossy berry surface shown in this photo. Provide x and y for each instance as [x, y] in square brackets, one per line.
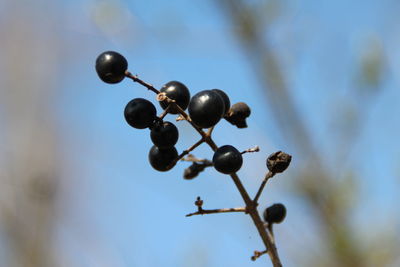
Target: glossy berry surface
[225, 99]
[111, 67]
[206, 108]
[275, 213]
[227, 159]
[164, 135]
[178, 92]
[140, 113]
[162, 159]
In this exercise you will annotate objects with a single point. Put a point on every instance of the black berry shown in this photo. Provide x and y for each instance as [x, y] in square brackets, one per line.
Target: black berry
[278, 162]
[111, 67]
[140, 113]
[162, 159]
[206, 108]
[178, 92]
[238, 114]
[275, 213]
[164, 134]
[225, 98]
[227, 159]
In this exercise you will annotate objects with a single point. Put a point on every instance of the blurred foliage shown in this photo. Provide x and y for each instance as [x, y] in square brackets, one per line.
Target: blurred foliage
[29, 167]
[329, 194]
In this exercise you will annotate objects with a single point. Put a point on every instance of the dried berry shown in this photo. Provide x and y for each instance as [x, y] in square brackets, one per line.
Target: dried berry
[278, 162]
[237, 114]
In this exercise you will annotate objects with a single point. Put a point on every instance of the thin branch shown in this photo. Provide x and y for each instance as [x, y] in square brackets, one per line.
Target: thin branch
[264, 182]
[202, 212]
[187, 151]
[165, 112]
[252, 210]
[251, 150]
[192, 158]
[135, 78]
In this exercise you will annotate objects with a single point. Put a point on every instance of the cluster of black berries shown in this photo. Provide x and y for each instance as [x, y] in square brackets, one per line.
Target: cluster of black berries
[206, 109]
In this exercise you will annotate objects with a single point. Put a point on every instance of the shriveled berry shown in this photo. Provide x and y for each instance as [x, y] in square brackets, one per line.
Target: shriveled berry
[278, 162]
[140, 113]
[178, 92]
[162, 159]
[238, 114]
[206, 108]
[225, 98]
[227, 159]
[275, 213]
[164, 135]
[111, 67]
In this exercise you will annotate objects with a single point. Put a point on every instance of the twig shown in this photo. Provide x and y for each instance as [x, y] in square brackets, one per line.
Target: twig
[135, 78]
[199, 203]
[258, 254]
[165, 112]
[202, 212]
[251, 150]
[264, 182]
[187, 151]
[192, 158]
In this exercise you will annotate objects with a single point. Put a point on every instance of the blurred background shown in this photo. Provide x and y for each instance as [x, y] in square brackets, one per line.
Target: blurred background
[321, 77]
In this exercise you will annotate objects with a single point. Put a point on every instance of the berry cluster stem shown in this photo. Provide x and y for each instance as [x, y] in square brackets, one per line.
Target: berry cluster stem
[251, 206]
[264, 182]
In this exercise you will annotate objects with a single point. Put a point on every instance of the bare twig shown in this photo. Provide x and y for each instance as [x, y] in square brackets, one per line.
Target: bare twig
[165, 112]
[136, 79]
[199, 203]
[251, 150]
[187, 151]
[264, 182]
[192, 158]
[202, 211]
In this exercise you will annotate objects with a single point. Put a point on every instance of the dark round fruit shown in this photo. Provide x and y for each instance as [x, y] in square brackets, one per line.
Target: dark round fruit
[227, 159]
[162, 159]
[111, 67]
[178, 92]
[225, 98]
[206, 108]
[275, 213]
[140, 113]
[164, 135]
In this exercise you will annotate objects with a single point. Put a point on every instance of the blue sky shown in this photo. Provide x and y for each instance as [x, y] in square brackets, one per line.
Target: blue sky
[117, 211]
